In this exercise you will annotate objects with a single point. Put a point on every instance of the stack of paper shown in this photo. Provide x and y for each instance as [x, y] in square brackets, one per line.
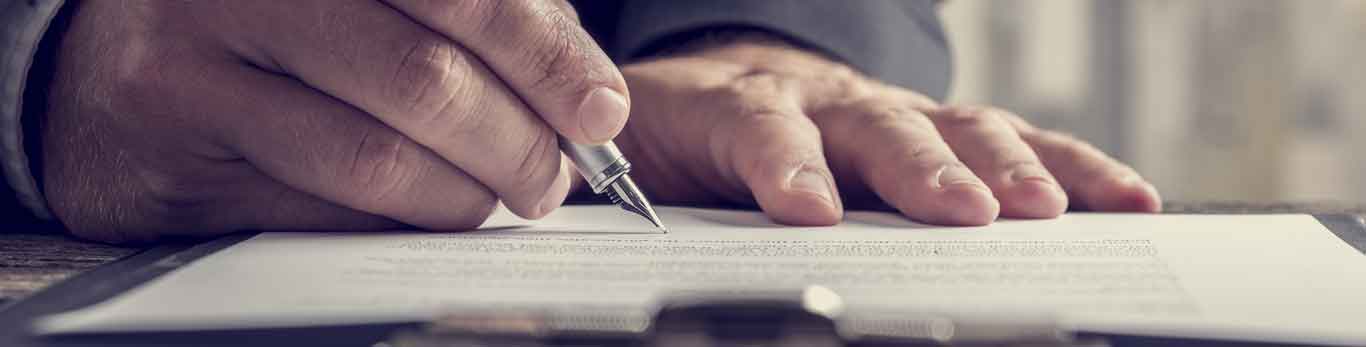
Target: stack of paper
[1273, 277]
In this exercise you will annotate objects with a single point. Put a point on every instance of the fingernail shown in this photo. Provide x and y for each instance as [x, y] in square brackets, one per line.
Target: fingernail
[1156, 198]
[1133, 181]
[1136, 181]
[811, 180]
[602, 114]
[958, 175]
[1029, 172]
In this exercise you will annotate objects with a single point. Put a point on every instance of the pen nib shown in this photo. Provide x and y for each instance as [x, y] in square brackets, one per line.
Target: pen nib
[624, 193]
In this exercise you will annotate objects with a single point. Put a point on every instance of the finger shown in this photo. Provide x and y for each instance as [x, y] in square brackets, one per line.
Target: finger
[326, 148]
[248, 200]
[177, 192]
[262, 203]
[990, 146]
[543, 53]
[899, 155]
[776, 151]
[428, 88]
[1093, 179]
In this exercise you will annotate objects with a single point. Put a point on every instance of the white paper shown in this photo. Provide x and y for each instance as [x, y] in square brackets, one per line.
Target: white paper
[1278, 277]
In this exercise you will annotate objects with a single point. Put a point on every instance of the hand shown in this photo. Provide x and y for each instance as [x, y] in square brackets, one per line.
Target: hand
[203, 117]
[803, 136]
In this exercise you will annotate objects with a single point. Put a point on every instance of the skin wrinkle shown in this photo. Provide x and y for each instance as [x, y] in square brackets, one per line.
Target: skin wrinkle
[333, 17]
[429, 88]
[554, 63]
[485, 13]
[536, 155]
[358, 154]
[754, 168]
[759, 97]
[887, 122]
[463, 104]
[718, 150]
[723, 143]
[403, 63]
[385, 173]
[922, 148]
[244, 50]
[963, 127]
[300, 140]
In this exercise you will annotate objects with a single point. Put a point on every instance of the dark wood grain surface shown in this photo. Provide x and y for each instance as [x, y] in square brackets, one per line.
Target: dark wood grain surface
[29, 262]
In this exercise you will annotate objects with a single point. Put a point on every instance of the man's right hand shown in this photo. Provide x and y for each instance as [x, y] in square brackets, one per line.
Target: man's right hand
[203, 117]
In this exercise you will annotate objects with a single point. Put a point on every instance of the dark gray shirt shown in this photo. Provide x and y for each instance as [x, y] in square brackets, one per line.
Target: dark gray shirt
[899, 42]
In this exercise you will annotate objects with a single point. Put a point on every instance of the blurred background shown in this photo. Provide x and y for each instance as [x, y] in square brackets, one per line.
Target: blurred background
[1210, 100]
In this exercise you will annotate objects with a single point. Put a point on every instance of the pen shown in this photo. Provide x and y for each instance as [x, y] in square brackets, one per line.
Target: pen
[606, 171]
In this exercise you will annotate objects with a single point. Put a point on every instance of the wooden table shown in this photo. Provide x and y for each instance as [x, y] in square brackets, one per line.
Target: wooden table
[30, 262]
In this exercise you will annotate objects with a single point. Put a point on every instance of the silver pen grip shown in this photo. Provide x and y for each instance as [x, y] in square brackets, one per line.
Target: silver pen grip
[599, 164]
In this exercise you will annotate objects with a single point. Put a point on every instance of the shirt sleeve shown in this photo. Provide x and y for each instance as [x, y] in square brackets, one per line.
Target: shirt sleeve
[899, 42]
[22, 25]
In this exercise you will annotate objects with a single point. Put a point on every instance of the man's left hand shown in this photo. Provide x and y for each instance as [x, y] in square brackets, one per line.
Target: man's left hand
[803, 136]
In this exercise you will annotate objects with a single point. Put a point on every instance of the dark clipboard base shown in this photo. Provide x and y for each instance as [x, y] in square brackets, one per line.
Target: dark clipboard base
[114, 278]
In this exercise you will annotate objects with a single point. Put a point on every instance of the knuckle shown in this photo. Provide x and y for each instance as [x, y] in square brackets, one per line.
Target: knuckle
[429, 78]
[1019, 123]
[137, 82]
[753, 94]
[483, 16]
[567, 9]
[756, 134]
[534, 170]
[754, 84]
[843, 72]
[841, 82]
[764, 163]
[560, 61]
[476, 209]
[1012, 163]
[970, 117]
[882, 116]
[927, 158]
[382, 167]
[997, 116]
[769, 122]
[1073, 147]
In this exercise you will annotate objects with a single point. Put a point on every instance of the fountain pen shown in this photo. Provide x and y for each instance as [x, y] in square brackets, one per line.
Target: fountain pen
[606, 171]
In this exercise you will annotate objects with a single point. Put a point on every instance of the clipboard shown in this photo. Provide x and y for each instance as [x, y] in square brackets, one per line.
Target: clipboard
[111, 279]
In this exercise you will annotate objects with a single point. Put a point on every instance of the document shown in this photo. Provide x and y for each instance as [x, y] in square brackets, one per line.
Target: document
[1269, 277]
